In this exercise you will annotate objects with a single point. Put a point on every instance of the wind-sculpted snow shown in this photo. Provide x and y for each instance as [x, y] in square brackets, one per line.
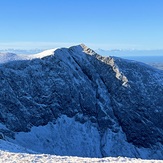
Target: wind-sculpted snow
[107, 101]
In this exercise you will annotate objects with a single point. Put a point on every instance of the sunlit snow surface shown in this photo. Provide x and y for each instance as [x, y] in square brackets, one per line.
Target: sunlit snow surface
[21, 155]
[8, 157]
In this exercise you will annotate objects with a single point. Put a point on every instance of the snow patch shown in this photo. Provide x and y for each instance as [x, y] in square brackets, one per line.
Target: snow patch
[43, 54]
[66, 137]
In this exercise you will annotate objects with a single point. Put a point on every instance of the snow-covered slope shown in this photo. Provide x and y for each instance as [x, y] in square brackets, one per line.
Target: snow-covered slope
[75, 102]
[42, 54]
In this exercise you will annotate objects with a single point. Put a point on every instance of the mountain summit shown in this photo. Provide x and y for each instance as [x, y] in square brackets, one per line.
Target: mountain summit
[72, 101]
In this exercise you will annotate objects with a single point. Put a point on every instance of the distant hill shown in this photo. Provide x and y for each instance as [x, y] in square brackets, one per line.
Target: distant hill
[21, 51]
[130, 53]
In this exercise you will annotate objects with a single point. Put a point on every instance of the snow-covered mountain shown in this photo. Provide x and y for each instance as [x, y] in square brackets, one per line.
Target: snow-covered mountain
[8, 57]
[74, 102]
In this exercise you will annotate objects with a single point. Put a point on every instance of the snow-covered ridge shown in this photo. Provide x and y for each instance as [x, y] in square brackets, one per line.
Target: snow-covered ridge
[8, 57]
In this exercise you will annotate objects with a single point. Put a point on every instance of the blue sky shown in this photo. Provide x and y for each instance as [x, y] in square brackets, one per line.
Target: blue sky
[106, 24]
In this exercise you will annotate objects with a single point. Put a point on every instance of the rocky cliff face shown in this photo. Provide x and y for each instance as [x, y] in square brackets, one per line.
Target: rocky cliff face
[116, 104]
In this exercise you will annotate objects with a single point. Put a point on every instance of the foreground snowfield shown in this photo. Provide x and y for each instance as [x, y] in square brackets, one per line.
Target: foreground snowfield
[25, 158]
[6, 157]
[12, 153]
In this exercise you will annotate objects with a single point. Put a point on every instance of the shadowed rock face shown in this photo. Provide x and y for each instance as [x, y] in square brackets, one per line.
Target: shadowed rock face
[79, 83]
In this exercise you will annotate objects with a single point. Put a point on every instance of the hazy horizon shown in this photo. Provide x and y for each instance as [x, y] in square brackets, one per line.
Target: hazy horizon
[110, 52]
